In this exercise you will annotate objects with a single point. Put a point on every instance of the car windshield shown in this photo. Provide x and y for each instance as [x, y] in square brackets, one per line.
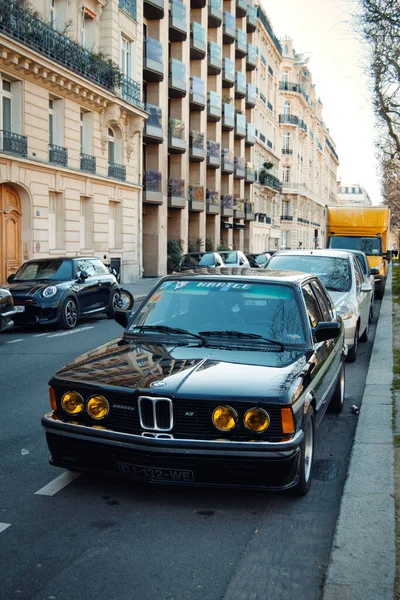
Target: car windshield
[267, 309]
[52, 269]
[371, 246]
[333, 272]
[230, 258]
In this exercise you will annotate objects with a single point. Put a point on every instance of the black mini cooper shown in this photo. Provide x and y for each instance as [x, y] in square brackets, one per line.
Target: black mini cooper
[220, 378]
[60, 290]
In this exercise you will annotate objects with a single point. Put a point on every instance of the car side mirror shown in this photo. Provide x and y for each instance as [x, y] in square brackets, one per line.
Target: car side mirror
[326, 330]
[11, 278]
[374, 271]
[82, 275]
[123, 317]
[366, 287]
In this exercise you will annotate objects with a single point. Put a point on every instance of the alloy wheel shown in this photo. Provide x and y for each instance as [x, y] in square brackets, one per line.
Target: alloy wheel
[71, 313]
[308, 453]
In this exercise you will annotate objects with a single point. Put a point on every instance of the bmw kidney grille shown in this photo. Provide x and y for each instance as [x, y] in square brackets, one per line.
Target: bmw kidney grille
[156, 414]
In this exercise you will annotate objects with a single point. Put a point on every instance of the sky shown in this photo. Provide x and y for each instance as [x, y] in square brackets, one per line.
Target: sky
[323, 30]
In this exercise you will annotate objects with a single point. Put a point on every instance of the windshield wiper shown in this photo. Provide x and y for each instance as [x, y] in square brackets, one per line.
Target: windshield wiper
[164, 329]
[240, 334]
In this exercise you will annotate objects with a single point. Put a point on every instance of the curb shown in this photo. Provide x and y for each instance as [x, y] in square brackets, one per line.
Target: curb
[362, 563]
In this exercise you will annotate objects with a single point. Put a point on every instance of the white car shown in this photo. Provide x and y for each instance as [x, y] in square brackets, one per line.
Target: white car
[234, 258]
[341, 274]
[368, 277]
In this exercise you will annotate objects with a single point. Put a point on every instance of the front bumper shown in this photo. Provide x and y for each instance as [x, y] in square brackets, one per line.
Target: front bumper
[40, 313]
[7, 319]
[350, 331]
[254, 464]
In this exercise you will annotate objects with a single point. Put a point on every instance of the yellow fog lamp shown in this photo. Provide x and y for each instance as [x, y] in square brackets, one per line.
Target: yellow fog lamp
[72, 403]
[97, 407]
[224, 418]
[256, 419]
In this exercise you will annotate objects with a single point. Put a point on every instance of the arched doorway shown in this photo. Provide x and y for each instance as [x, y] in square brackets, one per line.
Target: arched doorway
[10, 231]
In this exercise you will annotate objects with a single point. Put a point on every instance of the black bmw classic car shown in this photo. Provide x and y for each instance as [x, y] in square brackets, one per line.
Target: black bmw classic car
[220, 378]
[7, 310]
[60, 290]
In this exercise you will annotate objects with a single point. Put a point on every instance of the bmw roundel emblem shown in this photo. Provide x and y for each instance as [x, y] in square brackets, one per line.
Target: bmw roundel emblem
[158, 384]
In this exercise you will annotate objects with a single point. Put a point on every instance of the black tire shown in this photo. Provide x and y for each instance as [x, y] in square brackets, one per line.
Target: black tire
[371, 311]
[364, 337]
[306, 459]
[352, 353]
[127, 300]
[115, 303]
[69, 313]
[337, 400]
[380, 289]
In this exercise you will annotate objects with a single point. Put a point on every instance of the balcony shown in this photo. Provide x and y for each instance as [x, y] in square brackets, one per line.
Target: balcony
[117, 171]
[177, 21]
[213, 106]
[226, 205]
[286, 218]
[240, 167]
[251, 59]
[152, 187]
[212, 202]
[249, 211]
[251, 96]
[177, 78]
[229, 29]
[128, 6]
[176, 137]
[228, 117]
[213, 154]
[153, 130]
[197, 94]
[241, 8]
[176, 193]
[88, 163]
[196, 198]
[302, 126]
[270, 181]
[251, 137]
[287, 151]
[250, 176]
[251, 19]
[214, 13]
[197, 151]
[228, 73]
[214, 59]
[198, 46]
[241, 43]
[153, 9]
[240, 85]
[289, 119]
[13, 143]
[130, 91]
[240, 126]
[227, 166]
[153, 68]
[238, 207]
[58, 155]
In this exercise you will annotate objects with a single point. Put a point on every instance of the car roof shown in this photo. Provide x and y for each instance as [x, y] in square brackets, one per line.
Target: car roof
[318, 252]
[240, 274]
[59, 258]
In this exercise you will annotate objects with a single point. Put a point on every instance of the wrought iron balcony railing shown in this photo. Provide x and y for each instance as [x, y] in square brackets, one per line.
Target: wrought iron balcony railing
[88, 163]
[58, 155]
[117, 171]
[13, 143]
[129, 6]
[290, 119]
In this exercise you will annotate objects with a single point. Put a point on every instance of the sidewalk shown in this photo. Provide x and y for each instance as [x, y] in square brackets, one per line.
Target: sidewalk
[363, 556]
[141, 288]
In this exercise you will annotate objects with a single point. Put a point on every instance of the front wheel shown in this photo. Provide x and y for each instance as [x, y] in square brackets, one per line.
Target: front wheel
[69, 314]
[126, 299]
[306, 455]
[337, 400]
[115, 303]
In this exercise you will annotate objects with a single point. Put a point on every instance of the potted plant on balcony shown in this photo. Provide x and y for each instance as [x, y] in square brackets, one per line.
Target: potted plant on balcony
[263, 175]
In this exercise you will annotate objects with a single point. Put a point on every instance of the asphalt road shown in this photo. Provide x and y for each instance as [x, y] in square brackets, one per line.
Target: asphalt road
[86, 537]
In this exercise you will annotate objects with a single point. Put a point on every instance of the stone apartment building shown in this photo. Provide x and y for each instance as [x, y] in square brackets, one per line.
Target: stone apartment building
[352, 194]
[71, 126]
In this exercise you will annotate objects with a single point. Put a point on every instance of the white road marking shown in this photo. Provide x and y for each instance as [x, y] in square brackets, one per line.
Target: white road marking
[62, 333]
[39, 334]
[15, 341]
[58, 484]
[4, 526]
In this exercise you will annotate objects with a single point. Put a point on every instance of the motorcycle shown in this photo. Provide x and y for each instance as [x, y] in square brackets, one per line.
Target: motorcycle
[126, 299]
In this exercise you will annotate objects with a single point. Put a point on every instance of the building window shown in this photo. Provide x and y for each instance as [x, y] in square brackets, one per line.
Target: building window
[285, 239]
[286, 108]
[285, 76]
[10, 105]
[114, 146]
[88, 28]
[115, 225]
[86, 132]
[286, 140]
[126, 56]
[86, 223]
[286, 174]
[56, 121]
[285, 208]
[57, 14]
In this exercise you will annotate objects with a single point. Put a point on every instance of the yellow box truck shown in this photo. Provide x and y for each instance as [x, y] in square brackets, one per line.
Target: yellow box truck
[363, 228]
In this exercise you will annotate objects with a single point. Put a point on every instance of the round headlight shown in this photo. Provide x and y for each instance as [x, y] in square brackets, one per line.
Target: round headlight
[97, 407]
[72, 403]
[50, 291]
[256, 419]
[224, 418]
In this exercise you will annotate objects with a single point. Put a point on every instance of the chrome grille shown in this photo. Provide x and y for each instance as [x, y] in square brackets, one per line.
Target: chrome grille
[156, 414]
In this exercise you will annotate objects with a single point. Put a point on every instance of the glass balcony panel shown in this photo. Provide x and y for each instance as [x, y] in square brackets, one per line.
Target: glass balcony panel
[196, 145]
[196, 197]
[212, 202]
[153, 9]
[214, 58]
[251, 95]
[153, 125]
[152, 187]
[251, 59]
[177, 21]
[240, 167]
[214, 106]
[198, 39]
[251, 18]
[197, 93]
[229, 32]
[229, 72]
[177, 81]
[213, 154]
[241, 8]
[228, 121]
[249, 210]
[227, 205]
[241, 83]
[177, 140]
[238, 207]
[250, 173]
[227, 160]
[241, 43]
[176, 192]
[240, 129]
[154, 50]
[153, 60]
[214, 13]
[250, 134]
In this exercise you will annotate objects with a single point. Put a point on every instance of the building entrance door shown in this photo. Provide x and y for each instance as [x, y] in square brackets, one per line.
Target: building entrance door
[10, 231]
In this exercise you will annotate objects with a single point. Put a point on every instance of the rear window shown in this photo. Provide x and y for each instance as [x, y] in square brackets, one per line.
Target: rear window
[334, 272]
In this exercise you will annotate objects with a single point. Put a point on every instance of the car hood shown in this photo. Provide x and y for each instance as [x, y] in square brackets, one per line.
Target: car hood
[339, 297]
[29, 288]
[189, 371]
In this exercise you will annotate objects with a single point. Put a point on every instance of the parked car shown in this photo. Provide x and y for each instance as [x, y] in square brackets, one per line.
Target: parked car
[341, 274]
[213, 383]
[199, 260]
[61, 290]
[258, 260]
[368, 277]
[7, 310]
[234, 258]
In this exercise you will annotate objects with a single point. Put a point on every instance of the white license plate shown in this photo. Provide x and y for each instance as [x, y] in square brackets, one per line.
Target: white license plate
[20, 308]
[155, 473]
